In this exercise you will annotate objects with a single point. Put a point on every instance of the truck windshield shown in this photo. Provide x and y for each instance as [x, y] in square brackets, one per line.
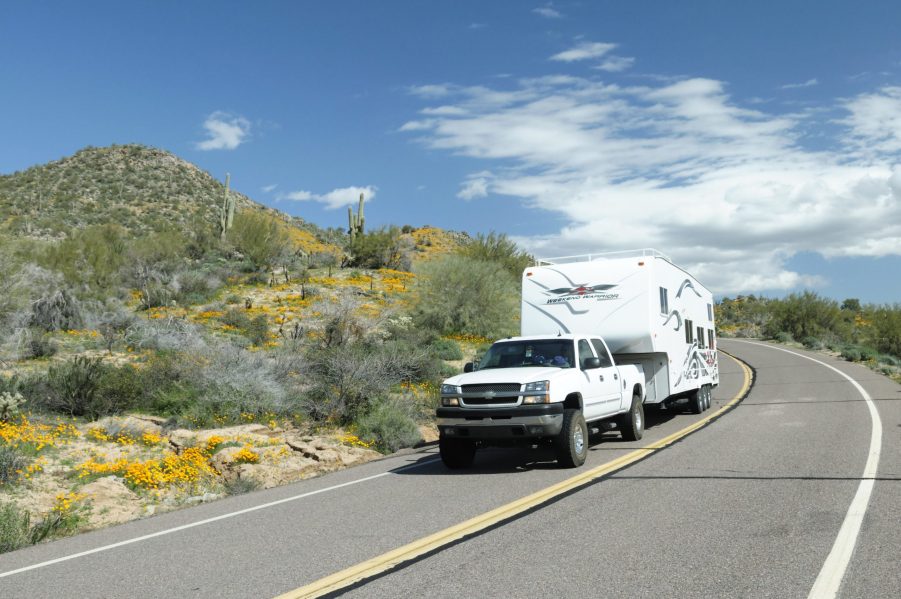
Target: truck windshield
[513, 354]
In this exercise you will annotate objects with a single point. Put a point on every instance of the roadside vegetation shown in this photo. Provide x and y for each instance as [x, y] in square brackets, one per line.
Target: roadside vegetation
[168, 364]
[865, 333]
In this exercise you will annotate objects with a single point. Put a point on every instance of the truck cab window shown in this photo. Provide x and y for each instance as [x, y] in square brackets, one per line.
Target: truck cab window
[584, 352]
[602, 353]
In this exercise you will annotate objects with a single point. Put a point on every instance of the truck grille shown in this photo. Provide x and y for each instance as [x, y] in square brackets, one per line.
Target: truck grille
[491, 394]
[496, 387]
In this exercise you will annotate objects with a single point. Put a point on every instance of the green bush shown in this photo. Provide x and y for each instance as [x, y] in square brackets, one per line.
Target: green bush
[72, 387]
[812, 343]
[259, 237]
[447, 349]
[12, 462]
[783, 337]
[39, 345]
[15, 525]
[257, 330]
[457, 294]
[498, 249]
[852, 354]
[236, 317]
[389, 425]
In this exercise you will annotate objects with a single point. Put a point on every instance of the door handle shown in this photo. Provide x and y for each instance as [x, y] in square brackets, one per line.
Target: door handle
[615, 377]
[601, 377]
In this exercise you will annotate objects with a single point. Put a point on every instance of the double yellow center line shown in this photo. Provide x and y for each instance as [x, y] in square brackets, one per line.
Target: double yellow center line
[418, 548]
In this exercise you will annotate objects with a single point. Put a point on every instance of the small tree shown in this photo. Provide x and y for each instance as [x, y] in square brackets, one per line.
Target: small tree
[259, 237]
[457, 294]
[497, 248]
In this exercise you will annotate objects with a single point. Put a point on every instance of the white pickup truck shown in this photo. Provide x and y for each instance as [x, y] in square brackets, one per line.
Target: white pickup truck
[539, 389]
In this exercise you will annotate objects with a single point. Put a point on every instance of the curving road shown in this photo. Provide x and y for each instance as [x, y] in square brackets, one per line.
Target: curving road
[754, 504]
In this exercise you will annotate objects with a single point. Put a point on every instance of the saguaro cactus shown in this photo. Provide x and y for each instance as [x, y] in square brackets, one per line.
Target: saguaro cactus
[227, 212]
[355, 223]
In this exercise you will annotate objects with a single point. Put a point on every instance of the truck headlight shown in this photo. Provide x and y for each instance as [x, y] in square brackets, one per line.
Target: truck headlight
[449, 395]
[539, 387]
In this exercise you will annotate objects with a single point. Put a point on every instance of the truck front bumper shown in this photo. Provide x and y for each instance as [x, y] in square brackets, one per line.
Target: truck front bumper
[521, 422]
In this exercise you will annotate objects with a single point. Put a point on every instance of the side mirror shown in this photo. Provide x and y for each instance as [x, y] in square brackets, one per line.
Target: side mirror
[591, 363]
[467, 367]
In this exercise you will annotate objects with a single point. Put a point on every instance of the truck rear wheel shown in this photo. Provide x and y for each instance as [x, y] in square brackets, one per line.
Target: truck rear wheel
[631, 424]
[456, 453]
[572, 443]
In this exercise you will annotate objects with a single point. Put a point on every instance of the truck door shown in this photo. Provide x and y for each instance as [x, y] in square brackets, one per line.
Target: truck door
[612, 385]
[600, 384]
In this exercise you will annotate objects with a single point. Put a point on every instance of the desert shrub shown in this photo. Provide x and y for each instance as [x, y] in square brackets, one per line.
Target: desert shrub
[806, 315]
[15, 525]
[812, 343]
[12, 463]
[235, 317]
[257, 330]
[382, 248]
[194, 287]
[120, 388]
[71, 388]
[885, 333]
[446, 371]
[37, 344]
[457, 294]
[499, 249]
[447, 349]
[852, 354]
[59, 311]
[259, 237]
[240, 486]
[783, 337]
[389, 425]
[345, 379]
[889, 360]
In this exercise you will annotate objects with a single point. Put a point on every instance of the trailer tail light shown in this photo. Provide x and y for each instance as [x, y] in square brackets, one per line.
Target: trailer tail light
[641, 263]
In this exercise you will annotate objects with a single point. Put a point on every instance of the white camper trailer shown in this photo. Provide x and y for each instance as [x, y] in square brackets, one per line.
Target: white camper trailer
[648, 310]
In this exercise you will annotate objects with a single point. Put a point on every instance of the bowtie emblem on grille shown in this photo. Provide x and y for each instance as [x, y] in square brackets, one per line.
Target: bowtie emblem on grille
[489, 394]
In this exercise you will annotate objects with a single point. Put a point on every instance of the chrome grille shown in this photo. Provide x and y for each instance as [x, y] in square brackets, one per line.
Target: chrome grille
[496, 387]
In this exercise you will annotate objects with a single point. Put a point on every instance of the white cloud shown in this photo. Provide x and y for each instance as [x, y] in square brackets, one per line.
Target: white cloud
[875, 120]
[808, 83]
[475, 186]
[615, 64]
[726, 190]
[584, 51]
[548, 11]
[224, 131]
[269, 188]
[336, 198]
[477, 25]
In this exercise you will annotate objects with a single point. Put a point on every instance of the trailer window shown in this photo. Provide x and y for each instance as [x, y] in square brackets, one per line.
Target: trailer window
[710, 312]
[601, 351]
[701, 338]
[664, 301]
[689, 332]
[710, 339]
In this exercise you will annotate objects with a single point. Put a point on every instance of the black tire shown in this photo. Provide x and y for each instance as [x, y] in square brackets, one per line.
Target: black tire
[708, 396]
[631, 424]
[696, 401]
[456, 453]
[572, 443]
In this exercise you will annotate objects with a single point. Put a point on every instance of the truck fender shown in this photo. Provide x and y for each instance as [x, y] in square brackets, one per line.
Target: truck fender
[573, 401]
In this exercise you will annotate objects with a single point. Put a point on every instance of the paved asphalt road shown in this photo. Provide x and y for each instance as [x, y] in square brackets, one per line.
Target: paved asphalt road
[748, 506]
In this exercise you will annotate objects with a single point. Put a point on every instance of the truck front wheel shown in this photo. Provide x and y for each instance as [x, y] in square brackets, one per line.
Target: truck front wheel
[456, 453]
[632, 422]
[572, 444]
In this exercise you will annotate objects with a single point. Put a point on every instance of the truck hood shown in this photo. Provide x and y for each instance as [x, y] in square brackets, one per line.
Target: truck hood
[522, 375]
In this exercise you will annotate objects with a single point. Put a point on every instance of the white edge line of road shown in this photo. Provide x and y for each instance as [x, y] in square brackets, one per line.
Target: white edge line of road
[830, 577]
[208, 520]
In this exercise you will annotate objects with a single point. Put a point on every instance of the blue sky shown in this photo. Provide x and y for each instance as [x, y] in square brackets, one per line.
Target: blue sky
[758, 144]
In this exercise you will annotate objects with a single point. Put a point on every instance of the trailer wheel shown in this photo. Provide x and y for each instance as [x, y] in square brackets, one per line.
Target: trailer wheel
[456, 453]
[572, 443]
[696, 401]
[631, 424]
[708, 396]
